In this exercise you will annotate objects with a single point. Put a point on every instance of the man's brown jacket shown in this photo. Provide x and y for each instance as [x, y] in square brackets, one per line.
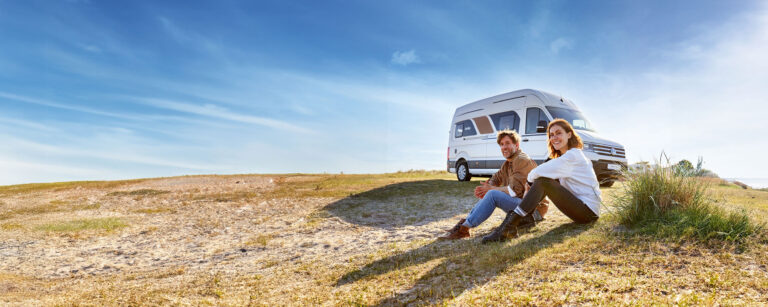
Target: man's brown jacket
[514, 173]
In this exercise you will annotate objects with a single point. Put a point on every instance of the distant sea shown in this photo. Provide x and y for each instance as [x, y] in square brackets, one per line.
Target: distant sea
[755, 183]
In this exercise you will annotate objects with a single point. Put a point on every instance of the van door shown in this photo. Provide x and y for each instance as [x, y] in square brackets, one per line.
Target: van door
[485, 129]
[470, 142]
[504, 120]
[534, 143]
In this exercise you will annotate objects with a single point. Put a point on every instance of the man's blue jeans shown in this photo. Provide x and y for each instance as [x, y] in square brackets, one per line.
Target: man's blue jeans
[492, 200]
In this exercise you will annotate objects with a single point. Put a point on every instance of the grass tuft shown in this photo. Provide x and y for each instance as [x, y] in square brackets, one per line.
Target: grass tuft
[667, 203]
[10, 226]
[260, 240]
[108, 224]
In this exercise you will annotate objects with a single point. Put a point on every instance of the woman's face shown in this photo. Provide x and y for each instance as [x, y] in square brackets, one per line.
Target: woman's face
[559, 138]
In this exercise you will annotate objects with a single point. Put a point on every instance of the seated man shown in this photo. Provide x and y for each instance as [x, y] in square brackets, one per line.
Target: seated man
[504, 190]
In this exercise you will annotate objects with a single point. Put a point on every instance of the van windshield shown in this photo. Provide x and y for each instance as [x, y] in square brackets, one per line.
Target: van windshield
[577, 120]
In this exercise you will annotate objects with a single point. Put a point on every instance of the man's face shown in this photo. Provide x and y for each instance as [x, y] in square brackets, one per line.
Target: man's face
[508, 148]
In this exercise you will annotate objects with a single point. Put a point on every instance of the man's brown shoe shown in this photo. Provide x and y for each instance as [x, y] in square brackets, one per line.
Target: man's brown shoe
[460, 233]
[456, 227]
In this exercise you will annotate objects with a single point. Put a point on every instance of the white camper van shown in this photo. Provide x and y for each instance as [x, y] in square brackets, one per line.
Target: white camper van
[472, 148]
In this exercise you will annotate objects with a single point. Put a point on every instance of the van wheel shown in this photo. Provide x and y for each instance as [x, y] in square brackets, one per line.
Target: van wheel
[462, 172]
[606, 184]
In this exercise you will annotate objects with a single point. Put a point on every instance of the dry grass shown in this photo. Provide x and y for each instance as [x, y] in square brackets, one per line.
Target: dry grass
[50, 207]
[140, 192]
[367, 240]
[155, 210]
[61, 186]
[107, 224]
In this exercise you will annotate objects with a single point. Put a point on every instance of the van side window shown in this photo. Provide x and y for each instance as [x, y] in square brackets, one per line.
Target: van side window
[506, 120]
[532, 118]
[464, 128]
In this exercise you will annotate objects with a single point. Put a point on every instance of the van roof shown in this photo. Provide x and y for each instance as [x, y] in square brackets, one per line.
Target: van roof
[549, 99]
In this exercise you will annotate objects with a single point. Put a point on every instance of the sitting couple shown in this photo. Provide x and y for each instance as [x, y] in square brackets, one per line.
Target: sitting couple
[520, 186]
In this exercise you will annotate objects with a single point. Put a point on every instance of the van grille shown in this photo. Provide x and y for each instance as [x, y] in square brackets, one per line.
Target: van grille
[609, 151]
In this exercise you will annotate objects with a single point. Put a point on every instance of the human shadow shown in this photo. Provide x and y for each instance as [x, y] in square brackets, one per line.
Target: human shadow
[406, 203]
[467, 262]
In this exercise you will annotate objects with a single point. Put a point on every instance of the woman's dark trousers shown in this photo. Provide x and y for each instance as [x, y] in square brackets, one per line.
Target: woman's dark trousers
[564, 200]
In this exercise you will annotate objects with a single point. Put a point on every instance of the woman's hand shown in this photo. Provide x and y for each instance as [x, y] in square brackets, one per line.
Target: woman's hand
[527, 187]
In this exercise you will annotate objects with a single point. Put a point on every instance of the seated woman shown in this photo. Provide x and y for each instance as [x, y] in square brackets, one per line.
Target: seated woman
[567, 179]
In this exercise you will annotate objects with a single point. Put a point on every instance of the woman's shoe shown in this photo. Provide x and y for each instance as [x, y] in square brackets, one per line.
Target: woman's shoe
[505, 231]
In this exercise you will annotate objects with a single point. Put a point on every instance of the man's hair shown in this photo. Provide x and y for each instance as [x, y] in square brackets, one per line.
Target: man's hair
[573, 142]
[512, 134]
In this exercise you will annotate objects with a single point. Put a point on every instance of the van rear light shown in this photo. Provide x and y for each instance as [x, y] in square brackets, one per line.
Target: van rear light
[448, 154]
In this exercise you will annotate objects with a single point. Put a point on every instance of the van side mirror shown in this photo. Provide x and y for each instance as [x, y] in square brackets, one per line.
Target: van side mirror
[541, 127]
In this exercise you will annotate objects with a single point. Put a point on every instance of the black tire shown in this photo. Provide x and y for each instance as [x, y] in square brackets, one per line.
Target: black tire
[462, 172]
[606, 184]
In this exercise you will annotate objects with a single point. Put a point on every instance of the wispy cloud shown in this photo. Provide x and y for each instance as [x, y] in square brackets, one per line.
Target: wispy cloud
[559, 44]
[90, 48]
[188, 37]
[173, 30]
[215, 111]
[405, 58]
[16, 171]
[26, 124]
[111, 154]
[47, 103]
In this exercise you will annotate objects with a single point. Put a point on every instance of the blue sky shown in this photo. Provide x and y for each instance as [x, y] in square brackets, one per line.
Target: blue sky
[94, 90]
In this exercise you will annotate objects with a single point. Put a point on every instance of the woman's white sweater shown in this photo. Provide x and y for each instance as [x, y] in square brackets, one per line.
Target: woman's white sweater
[575, 173]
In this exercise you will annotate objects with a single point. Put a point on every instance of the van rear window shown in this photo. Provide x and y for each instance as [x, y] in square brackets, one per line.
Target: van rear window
[464, 128]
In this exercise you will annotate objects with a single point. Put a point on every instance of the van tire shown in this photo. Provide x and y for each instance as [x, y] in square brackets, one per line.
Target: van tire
[606, 184]
[462, 172]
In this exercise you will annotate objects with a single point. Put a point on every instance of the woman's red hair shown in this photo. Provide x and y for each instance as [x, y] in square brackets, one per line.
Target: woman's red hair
[573, 142]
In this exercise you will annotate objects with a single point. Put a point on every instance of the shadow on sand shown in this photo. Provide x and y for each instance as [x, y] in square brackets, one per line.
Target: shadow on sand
[466, 263]
[406, 203]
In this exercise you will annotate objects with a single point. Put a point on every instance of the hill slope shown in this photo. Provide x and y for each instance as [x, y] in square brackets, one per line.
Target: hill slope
[341, 239]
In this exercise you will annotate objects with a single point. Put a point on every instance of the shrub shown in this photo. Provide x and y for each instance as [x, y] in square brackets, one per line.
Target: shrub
[667, 202]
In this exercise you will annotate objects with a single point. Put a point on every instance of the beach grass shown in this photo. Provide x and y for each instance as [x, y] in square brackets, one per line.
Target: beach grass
[666, 203]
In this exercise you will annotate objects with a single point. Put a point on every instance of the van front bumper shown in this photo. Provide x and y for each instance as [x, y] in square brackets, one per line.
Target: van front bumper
[608, 169]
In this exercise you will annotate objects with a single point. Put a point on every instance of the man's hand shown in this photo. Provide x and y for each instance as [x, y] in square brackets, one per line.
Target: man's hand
[482, 189]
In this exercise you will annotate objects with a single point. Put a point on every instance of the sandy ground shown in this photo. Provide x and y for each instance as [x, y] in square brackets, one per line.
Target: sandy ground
[198, 224]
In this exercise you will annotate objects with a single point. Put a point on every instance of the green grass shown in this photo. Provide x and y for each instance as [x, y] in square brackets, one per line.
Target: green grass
[108, 224]
[667, 204]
